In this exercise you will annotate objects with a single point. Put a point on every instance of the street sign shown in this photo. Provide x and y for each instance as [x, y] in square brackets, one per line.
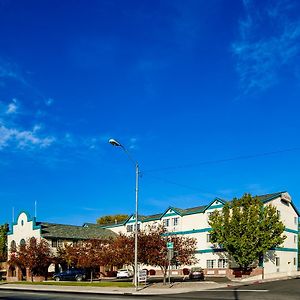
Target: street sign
[142, 276]
[170, 245]
[170, 254]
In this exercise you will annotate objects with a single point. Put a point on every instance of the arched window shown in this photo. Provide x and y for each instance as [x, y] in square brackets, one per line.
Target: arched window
[13, 246]
[22, 242]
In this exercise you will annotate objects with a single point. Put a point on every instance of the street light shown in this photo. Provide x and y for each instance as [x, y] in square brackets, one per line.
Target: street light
[117, 144]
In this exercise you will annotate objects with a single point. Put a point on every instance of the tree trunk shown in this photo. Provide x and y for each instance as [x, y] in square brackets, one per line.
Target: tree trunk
[164, 270]
[91, 275]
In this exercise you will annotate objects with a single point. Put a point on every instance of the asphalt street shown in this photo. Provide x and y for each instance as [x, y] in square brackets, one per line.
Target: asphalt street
[285, 289]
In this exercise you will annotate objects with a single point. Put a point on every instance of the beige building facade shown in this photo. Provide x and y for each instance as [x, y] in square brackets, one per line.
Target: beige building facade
[191, 222]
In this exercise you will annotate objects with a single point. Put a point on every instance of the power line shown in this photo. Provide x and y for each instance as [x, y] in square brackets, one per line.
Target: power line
[250, 156]
[177, 184]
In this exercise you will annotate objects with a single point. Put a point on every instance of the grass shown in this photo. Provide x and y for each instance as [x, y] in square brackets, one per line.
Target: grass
[86, 283]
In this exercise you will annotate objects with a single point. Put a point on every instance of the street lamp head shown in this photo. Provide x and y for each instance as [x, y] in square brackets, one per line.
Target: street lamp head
[114, 143]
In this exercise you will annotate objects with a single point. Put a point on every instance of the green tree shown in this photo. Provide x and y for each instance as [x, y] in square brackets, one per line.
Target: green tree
[109, 219]
[246, 229]
[3, 242]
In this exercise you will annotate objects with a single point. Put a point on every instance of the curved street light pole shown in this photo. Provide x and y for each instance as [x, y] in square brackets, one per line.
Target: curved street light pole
[137, 172]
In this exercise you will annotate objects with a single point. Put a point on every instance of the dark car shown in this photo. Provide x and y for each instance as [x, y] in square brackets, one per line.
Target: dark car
[71, 274]
[196, 273]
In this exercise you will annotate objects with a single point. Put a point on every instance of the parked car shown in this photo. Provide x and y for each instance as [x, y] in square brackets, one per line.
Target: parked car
[196, 273]
[71, 274]
[124, 273]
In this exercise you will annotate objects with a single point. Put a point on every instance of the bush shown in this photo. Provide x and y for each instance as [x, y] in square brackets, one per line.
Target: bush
[186, 271]
[152, 272]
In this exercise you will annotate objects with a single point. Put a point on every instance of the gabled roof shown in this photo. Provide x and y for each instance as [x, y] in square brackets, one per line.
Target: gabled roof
[197, 209]
[62, 231]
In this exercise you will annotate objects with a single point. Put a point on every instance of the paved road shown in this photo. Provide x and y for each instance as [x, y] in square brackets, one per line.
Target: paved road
[277, 290]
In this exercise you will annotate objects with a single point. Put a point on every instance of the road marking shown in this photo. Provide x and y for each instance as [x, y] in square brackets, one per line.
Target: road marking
[237, 290]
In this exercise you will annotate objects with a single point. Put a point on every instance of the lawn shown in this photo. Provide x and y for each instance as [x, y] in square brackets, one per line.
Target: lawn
[73, 283]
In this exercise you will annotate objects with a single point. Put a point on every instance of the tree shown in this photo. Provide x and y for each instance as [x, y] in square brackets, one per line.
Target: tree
[246, 229]
[93, 253]
[3, 242]
[34, 255]
[69, 254]
[155, 252]
[109, 219]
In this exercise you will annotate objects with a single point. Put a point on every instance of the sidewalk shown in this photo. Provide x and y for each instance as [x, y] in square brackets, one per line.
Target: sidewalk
[155, 289]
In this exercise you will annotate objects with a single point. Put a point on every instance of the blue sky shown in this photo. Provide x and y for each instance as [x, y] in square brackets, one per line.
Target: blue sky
[205, 95]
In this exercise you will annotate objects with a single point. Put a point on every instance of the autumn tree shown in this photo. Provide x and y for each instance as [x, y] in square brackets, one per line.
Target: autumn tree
[34, 255]
[109, 219]
[246, 229]
[123, 250]
[3, 242]
[69, 254]
[94, 253]
[155, 252]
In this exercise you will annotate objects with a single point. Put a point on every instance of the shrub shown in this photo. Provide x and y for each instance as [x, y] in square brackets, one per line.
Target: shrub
[152, 272]
[186, 271]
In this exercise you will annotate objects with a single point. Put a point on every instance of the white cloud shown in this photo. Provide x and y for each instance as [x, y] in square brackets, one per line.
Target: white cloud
[269, 41]
[12, 107]
[22, 139]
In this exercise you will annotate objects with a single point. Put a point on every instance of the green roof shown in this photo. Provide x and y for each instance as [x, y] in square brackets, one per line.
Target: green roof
[193, 210]
[62, 231]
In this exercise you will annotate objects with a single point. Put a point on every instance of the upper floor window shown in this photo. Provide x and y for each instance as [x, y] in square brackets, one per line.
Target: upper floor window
[277, 261]
[22, 242]
[129, 228]
[138, 226]
[208, 238]
[166, 222]
[296, 220]
[175, 221]
[278, 213]
[295, 239]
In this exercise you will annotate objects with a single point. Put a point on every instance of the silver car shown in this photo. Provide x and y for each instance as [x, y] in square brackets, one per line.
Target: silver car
[124, 273]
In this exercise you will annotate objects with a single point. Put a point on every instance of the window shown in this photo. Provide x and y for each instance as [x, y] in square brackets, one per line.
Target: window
[208, 238]
[138, 227]
[22, 242]
[295, 239]
[295, 220]
[54, 243]
[129, 228]
[211, 263]
[13, 246]
[222, 263]
[175, 221]
[59, 243]
[166, 222]
[278, 213]
[277, 261]
[295, 261]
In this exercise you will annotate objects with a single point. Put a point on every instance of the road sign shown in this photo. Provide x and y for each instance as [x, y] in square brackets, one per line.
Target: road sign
[170, 254]
[170, 245]
[142, 275]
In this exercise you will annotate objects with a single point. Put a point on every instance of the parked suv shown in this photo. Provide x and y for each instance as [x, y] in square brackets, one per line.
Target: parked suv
[71, 274]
